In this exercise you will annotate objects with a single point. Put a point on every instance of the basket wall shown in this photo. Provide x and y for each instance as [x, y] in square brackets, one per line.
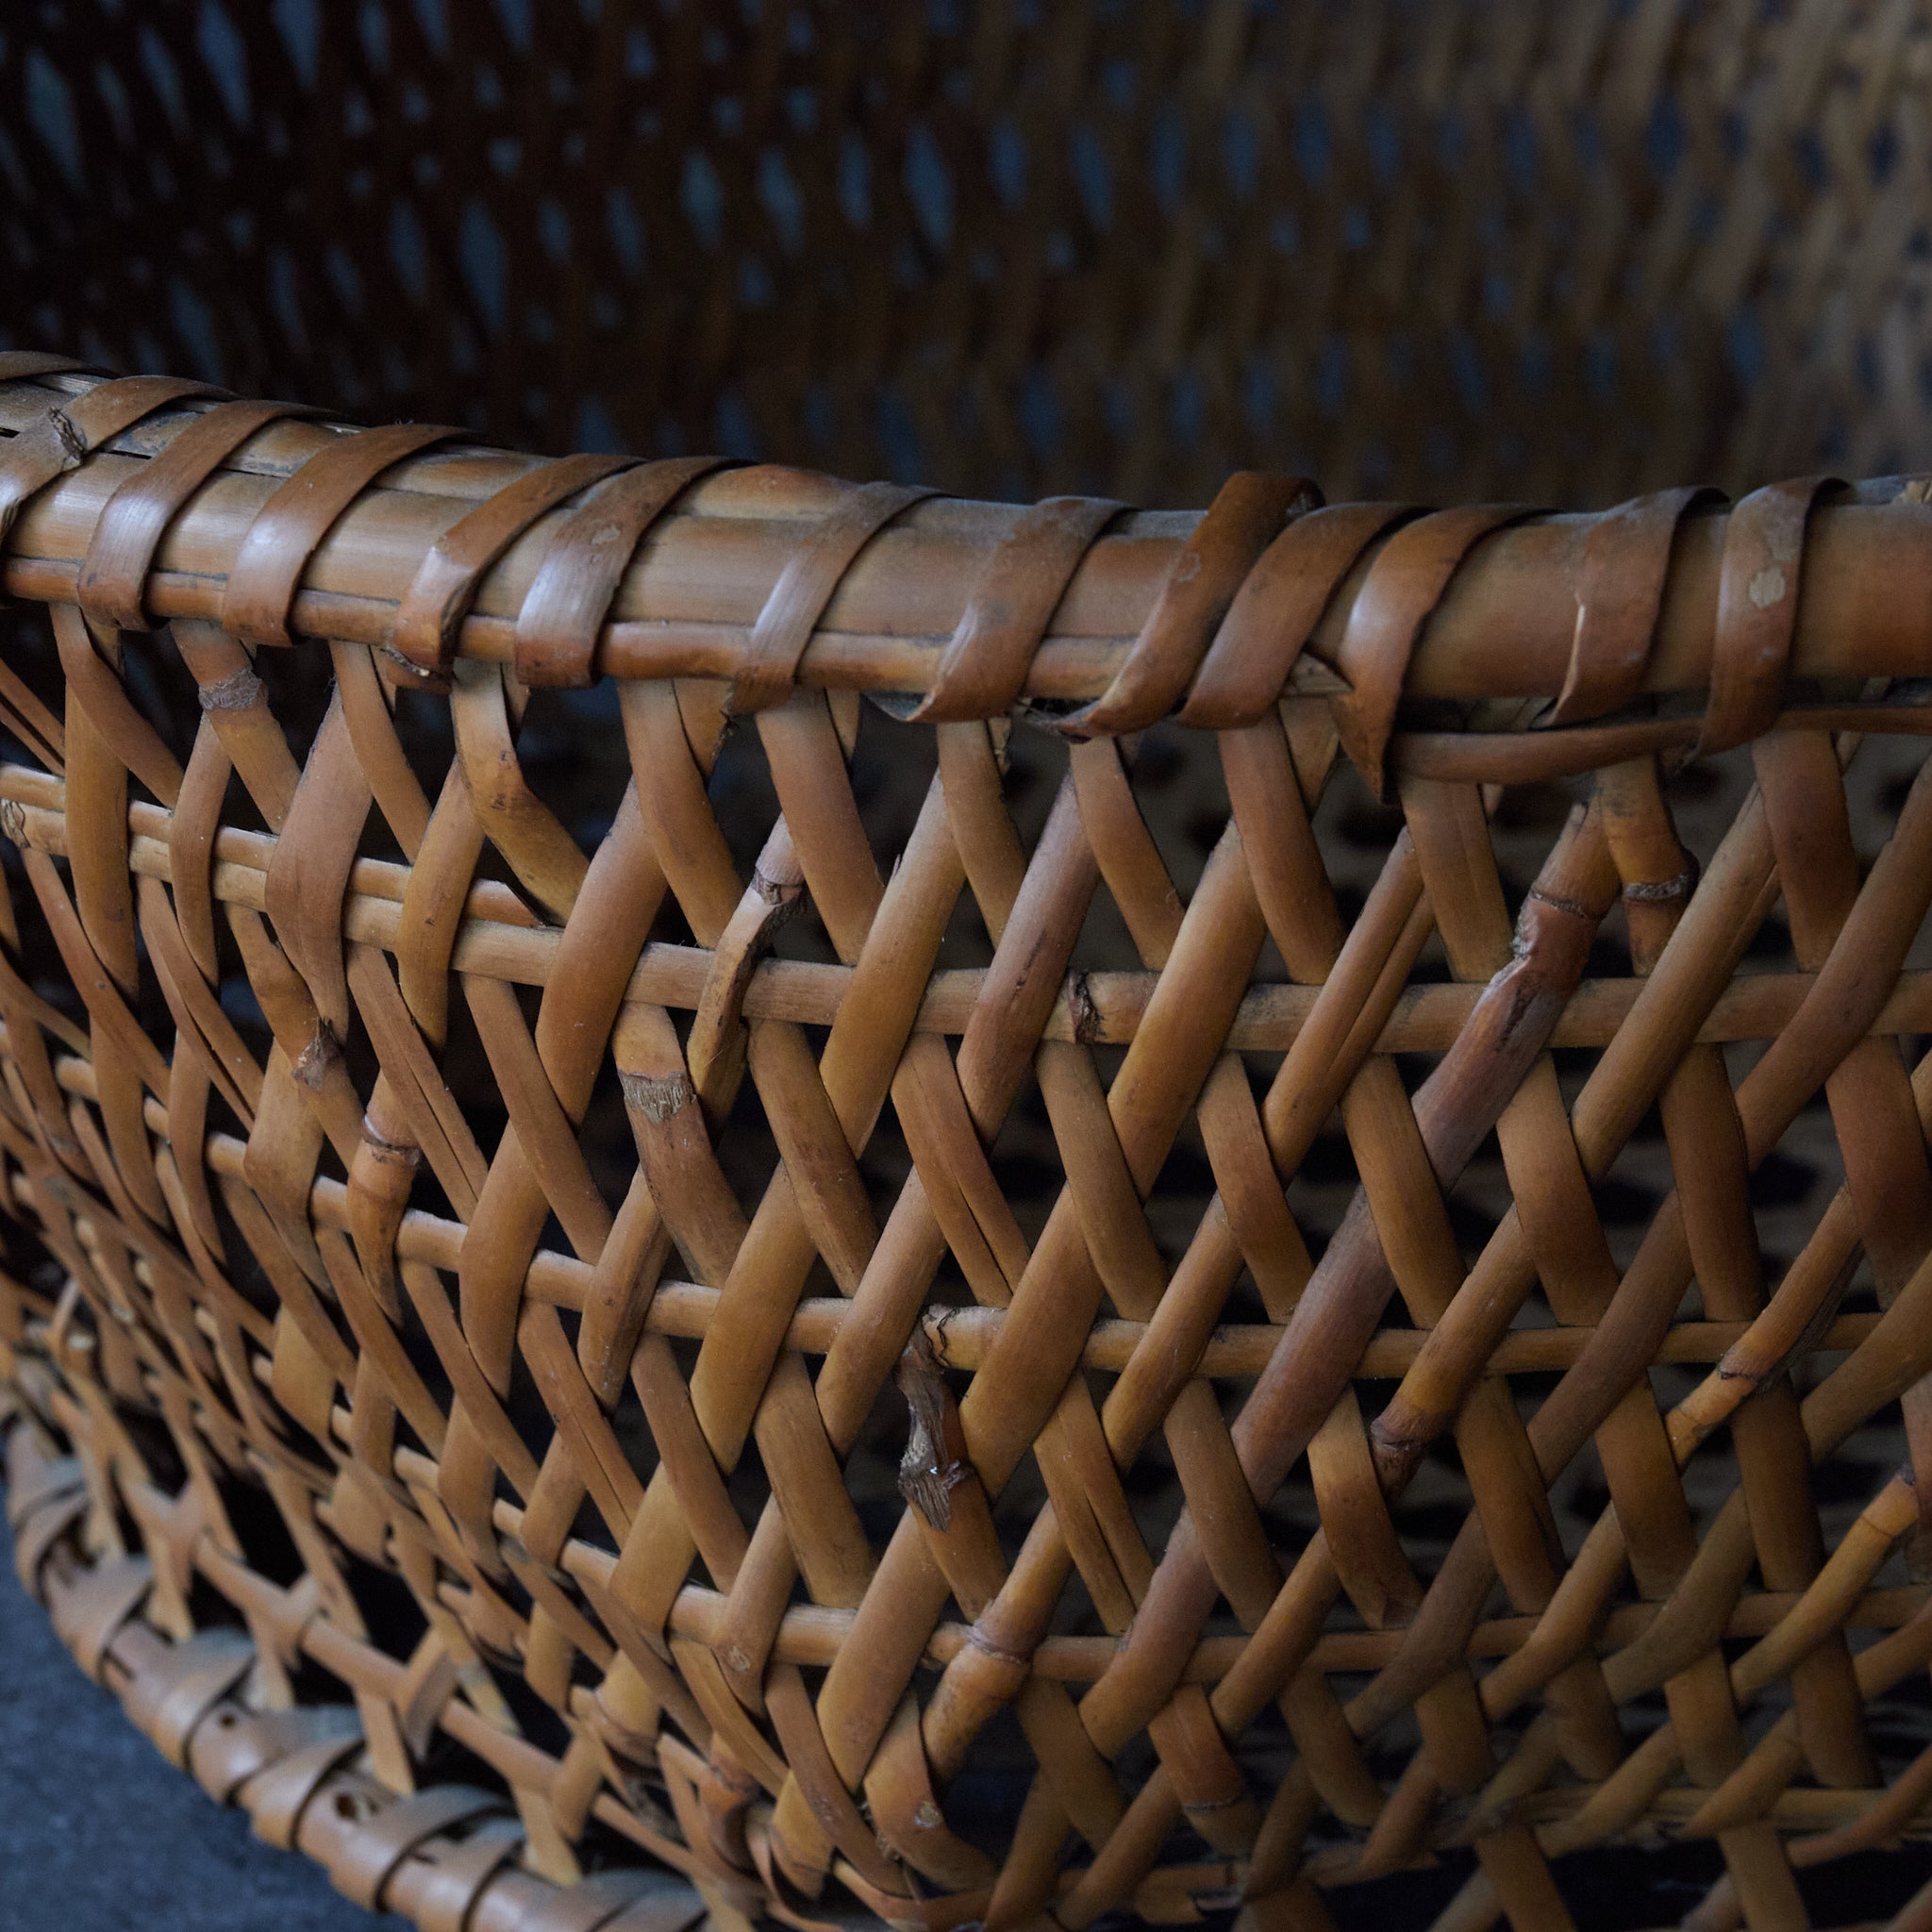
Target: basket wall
[959, 1211]
[737, 1197]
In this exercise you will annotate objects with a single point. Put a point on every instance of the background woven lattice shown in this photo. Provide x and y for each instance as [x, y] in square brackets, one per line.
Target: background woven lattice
[1444, 250]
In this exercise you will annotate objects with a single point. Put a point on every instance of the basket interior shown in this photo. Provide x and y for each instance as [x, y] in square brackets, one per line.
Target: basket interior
[1441, 251]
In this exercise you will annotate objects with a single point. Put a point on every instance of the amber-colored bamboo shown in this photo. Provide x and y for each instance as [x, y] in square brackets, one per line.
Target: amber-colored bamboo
[449, 1237]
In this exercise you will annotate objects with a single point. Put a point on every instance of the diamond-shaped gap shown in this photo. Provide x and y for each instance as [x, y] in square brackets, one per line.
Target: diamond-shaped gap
[633, 1433]
[1705, 798]
[1322, 1188]
[892, 767]
[1266, 1749]
[162, 690]
[748, 1152]
[1866, 1887]
[1291, 1515]
[1024, 1157]
[1759, 1715]
[572, 750]
[1877, 784]
[578, 777]
[1176, 781]
[1845, 1481]
[871, 1466]
[1711, 1474]
[1244, 1306]
[747, 1485]
[299, 683]
[29, 1265]
[1795, 1181]
[983, 1801]
[885, 1162]
[1432, 1507]
[1149, 1482]
[528, 1414]
[424, 729]
[395, 1620]
[1480, 1197]
[1015, 1508]
[1181, 1193]
[608, 1148]
[1899, 1723]
[1356, 832]
[466, 1061]
[1628, 1195]
[741, 796]
[1104, 945]
[1388, 1751]
[1580, 1492]
[467, 1074]
[423, 1359]
[27, 645]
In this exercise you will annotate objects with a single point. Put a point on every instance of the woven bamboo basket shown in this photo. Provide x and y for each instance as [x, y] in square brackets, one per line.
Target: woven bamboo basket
[737, 1197]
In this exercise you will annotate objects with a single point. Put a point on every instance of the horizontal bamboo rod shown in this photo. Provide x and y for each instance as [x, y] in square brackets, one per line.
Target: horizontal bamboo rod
[812, 1635]
[1106, 1009]
[700, 579]
[963, 1337]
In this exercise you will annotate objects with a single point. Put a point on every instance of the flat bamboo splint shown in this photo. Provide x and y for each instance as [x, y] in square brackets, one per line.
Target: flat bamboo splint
[1155, 1212]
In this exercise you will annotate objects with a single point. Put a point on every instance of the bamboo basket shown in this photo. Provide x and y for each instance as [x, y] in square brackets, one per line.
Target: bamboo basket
[737, 1197]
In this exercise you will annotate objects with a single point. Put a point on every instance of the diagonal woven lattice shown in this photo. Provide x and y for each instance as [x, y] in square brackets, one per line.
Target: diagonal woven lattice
[1332, 1085]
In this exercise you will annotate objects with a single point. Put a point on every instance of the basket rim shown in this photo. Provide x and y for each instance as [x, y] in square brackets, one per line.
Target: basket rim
[1491, 653]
